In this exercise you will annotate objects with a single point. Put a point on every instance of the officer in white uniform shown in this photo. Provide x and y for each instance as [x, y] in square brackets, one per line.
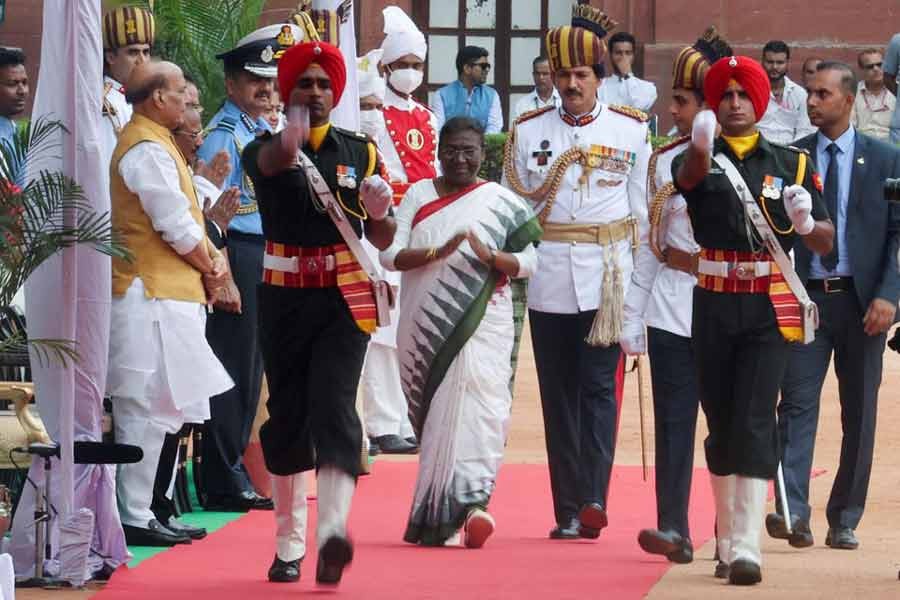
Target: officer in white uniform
[585, 167]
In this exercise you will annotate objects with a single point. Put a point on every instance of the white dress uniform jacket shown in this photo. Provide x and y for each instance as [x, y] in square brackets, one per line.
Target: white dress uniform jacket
[569, 276]
[671, 291]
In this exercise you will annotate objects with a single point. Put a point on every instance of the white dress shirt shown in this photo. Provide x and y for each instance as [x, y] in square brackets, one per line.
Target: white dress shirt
[192, 372]
[570, 275]
[786, 121]
[872, 113]
[669, 305]
[533, 102]
[627, 90]
[495, 116]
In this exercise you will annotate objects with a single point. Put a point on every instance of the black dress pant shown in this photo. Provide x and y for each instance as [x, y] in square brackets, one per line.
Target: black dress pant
[578, 396]
[675, 406]
[741, 358]
[313, 352]
[858, 365]
[235, 341]
[162, 506]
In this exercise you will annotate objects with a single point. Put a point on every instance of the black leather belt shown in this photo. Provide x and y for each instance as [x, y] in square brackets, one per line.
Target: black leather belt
[831, 285]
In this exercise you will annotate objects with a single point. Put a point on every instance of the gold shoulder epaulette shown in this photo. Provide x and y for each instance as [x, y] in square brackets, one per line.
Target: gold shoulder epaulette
[672, 144]
[630, 111]
[527, 116]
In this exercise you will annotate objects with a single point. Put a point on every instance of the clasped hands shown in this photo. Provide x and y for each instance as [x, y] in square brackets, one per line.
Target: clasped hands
[221, 291]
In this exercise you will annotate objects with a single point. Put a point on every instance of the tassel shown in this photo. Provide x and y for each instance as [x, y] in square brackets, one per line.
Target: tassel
[607, 325]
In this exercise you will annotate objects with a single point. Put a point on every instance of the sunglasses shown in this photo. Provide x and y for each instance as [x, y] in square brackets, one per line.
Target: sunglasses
[871, 66]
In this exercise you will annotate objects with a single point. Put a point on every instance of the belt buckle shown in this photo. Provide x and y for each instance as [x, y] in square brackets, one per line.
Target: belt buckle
[827, 287]
[741, 271]
[310, 265]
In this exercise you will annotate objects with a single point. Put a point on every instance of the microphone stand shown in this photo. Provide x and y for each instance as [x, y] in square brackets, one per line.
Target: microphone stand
[42, 522]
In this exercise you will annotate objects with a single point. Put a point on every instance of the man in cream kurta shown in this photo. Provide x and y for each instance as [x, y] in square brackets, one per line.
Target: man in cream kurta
[598, 154]
[161, 370]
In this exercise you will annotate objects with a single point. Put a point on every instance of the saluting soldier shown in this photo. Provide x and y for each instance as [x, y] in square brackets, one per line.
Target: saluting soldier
[249, 71]
[585, 167]
[659, 298]
[746, 309]
[316, 308]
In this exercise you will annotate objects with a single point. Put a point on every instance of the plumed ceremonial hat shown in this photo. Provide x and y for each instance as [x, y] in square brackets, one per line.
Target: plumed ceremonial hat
[259, 51]
[693, 62]
[370, 81]
[127, 25]
[297, 59]
[744, 70]
[580, 44]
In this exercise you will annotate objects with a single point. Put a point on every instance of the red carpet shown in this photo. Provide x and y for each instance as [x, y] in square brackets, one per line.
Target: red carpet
[518, 562]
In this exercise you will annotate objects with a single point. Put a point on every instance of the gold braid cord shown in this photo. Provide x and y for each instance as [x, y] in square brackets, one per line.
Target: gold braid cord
[548, 190]
[657, 203]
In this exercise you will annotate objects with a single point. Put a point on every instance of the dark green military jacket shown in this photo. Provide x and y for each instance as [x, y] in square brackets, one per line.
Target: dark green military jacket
[716, 212]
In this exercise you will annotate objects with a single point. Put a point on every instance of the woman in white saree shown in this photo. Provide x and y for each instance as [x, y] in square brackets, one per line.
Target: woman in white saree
[459, 239]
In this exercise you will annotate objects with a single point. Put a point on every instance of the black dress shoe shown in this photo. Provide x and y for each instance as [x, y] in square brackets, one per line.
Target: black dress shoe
[103, 573]
[800, 536]
[412, 440]
[394, 444]
[592, 516]
[566, 531]
[374, 450]
[176, 526]
[246, 500]
[670, 543]
[335, 554]
[721, 570]
[155, 534]
[285, 571]
[841, 538]
[744, 572]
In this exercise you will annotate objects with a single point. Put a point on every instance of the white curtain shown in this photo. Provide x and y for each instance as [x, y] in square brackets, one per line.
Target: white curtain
[69, 296]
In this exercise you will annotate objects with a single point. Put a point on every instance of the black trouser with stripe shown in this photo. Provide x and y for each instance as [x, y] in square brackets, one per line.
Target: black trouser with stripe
[578, 396]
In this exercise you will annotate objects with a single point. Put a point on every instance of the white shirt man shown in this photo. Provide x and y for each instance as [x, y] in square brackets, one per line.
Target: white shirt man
[627, 90]
[786, 120]
[874, 105]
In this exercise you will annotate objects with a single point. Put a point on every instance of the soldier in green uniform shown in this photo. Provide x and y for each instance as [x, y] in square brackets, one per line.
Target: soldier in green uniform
[744, 313]
[316, 308]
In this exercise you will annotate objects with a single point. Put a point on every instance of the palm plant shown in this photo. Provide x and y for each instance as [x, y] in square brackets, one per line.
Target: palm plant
[38, 220]
[190, 33]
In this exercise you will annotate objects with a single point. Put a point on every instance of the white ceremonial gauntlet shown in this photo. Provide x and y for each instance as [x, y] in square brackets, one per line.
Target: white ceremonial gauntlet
[703, 131]
[798, 205]
[376, 195]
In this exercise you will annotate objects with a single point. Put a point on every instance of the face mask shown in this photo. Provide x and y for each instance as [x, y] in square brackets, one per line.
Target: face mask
[370, 121]
[406, 81]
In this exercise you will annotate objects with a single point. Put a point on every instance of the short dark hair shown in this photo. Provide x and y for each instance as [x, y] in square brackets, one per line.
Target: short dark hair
[189, 79]
[621, 36]
[539, 60]
[777, 47]
[865, 52]
[848, 75]
[468, 55]
[11, 57]
[599, 70]
[811, 59]
[459, 125]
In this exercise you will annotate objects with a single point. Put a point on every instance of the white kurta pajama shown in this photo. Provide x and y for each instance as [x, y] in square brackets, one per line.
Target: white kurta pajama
[463, 424]
[162, 372]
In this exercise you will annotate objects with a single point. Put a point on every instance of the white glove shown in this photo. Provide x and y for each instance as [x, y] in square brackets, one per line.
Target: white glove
[798, 205]
[703, 131]
[633, 338]
[376, 195]
[296, 130]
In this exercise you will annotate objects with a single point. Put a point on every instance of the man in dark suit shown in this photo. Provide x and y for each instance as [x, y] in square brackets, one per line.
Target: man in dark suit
[856, 287]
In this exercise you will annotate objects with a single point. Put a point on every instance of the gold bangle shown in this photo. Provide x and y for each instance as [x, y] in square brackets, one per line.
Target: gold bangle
[431, 254]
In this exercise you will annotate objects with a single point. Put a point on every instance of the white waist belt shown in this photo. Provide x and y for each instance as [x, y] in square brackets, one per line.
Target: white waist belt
[296, 264]
[734, 270]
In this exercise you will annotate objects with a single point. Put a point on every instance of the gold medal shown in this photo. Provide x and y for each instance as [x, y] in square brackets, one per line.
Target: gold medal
[414, 139]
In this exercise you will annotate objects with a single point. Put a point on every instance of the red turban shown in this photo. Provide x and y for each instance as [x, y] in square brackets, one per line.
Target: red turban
[745, 71]
[297, 59]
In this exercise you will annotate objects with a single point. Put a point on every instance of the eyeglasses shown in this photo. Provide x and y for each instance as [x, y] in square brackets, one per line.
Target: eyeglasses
[195, 106]
[871, 66]
[194, 135]
[485, 66]
[468, 154]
